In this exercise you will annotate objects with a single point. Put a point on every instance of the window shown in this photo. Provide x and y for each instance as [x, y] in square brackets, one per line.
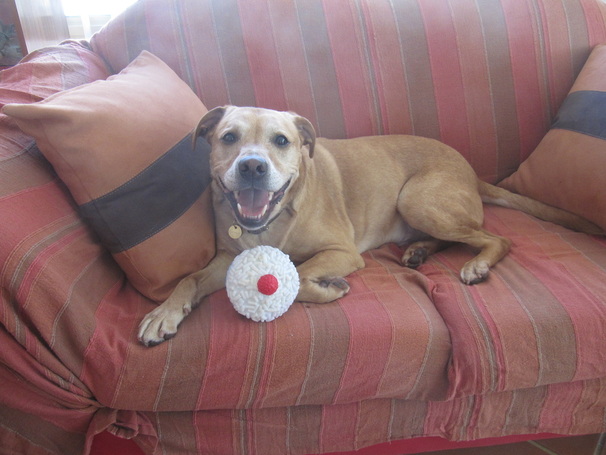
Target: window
[85, 17]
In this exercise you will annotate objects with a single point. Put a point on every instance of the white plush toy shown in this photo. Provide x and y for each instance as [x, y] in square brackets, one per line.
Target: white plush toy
[262, 283]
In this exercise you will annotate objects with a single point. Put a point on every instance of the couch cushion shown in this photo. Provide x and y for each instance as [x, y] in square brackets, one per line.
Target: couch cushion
[540, 317]
[567, 168]
[384, 339]
[123, 148]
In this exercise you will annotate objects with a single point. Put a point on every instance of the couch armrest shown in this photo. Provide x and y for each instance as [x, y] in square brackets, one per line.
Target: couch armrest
[39, 222]
[36, 77]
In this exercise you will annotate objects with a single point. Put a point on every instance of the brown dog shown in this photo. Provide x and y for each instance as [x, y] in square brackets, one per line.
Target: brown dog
[324, 202]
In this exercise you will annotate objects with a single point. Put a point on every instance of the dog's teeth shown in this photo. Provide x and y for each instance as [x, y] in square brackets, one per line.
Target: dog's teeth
[263, 212]
[239, 209]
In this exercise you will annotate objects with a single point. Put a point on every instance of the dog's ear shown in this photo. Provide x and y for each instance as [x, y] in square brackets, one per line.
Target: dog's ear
[307, 132]
[207, 123]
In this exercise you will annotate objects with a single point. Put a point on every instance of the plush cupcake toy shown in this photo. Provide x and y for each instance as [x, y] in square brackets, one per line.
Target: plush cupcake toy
[262, 283]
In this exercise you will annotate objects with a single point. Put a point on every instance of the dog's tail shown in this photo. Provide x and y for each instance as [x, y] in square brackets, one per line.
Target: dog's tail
[499, 196]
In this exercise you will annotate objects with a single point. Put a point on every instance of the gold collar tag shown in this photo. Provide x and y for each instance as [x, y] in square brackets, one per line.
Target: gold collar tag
[235, 231]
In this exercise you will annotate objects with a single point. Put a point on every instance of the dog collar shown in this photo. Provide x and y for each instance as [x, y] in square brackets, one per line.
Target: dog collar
[235, 231]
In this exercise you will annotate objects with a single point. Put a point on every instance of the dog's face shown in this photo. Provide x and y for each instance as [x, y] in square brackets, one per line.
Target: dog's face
[256, 156]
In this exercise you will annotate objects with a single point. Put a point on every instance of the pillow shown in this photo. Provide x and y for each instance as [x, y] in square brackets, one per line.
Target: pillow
[567, 168]
[123, 148]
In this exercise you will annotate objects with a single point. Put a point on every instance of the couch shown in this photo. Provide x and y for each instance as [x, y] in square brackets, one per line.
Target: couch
[515, 86]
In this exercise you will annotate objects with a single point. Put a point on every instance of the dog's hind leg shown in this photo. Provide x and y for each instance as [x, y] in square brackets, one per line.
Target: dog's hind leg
[492, 249]
[453, 216]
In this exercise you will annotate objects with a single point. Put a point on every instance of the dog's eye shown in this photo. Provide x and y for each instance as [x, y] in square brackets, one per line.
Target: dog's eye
[229, 138]
[281, 141]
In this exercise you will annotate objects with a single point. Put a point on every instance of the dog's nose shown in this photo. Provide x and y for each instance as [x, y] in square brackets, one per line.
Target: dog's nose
[252, 167]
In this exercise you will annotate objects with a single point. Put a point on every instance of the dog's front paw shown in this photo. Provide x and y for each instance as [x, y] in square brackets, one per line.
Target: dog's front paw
[322, 290]
[336, 281]
[162, 323]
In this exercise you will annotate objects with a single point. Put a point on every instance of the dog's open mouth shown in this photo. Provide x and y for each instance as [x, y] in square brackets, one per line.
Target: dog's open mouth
[253, 206]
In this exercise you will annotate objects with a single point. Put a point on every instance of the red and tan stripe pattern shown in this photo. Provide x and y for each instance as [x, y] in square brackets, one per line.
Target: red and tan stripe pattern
[336, 353]
[488, 83]
[324, 429]
[540, 320]
[52, 271]
[406, 353]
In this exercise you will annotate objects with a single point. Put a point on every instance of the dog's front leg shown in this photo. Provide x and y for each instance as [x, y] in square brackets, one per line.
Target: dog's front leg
[161, 324]
[322, 276]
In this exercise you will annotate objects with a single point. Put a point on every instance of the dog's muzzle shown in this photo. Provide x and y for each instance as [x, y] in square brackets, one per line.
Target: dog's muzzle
[253, 204]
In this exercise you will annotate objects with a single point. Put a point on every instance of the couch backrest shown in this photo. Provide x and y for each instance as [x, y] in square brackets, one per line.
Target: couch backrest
[485, 76]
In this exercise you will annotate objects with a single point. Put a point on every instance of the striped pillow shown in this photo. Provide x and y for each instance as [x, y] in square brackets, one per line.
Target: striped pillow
[123, 148]
[567, 168]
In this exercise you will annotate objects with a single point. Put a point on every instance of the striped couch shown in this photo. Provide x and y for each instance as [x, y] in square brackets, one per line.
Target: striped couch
[407, 353]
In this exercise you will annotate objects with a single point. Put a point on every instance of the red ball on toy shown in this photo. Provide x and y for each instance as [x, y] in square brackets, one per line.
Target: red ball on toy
[267, 284]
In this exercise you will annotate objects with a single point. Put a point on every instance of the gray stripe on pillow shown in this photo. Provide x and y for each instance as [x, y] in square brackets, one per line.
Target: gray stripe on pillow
[583, 111]
[152, 200]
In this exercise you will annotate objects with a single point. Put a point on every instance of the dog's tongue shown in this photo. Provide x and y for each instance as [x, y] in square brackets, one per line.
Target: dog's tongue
[253, 202]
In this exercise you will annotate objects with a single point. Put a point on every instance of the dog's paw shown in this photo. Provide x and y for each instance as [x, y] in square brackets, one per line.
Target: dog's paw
[338, 282]
[162, 323]
[474, 272]
[414, 256]
[322, 290]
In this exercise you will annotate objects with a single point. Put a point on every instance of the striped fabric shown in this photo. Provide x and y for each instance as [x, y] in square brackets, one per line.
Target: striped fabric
[540, 320]
[483, 76]
[406, 353]
[349, 427]
[39, 75]
[313, 355]
[47, 257]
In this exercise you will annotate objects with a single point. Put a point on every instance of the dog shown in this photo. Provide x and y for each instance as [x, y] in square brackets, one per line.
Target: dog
[324, 202]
